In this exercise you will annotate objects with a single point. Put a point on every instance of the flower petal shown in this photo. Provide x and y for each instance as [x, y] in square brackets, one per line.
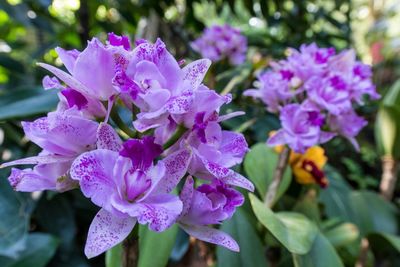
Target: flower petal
[68, 79]
[186, 195]
[68, 57]
[94, 171]
[106, 231]
[176, 166]
[180, 104]
[42, 177]
[236, 179]
[95, 68]
[233, 148]
[194, 72]
[211, 235]
[107, 138]
[41, 159]
[159, 211]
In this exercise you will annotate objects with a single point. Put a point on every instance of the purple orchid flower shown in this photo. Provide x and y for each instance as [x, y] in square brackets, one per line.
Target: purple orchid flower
[209, 204]
[63, 136]
[348, 124]
[300, 129]
[91, 71]
[129, 188]
[222, 42]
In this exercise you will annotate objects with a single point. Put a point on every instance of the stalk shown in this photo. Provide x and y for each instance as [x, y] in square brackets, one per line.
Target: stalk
[130, 249]
[278, 174]
[119, 122]
[389, 177]
[177, 135]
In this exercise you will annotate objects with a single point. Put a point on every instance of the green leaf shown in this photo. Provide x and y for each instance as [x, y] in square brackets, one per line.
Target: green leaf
[308, 206]
[372, 213]
[113, 256]
[260, 164]
[56, 216]
[21, 103]
[393, 240]
[155, 248]
[39, 250]
[336, 196]
[293, 230]
[386, 248]
[387, 130]
[13, 225]
[251, 248]
[322, 254]
[342, 234]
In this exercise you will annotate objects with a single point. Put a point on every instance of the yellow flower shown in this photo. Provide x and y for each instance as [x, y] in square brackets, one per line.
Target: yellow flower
[307, 167]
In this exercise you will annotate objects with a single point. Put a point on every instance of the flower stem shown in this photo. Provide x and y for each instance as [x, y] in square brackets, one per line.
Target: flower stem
[130, 249]
[177, 135]
[278, 174]
[389, 177]
[119, 122]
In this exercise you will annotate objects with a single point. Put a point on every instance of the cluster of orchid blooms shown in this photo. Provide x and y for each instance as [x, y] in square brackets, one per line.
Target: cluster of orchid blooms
[222, 42]
[143, 171]
[313, 91]
[175, 136]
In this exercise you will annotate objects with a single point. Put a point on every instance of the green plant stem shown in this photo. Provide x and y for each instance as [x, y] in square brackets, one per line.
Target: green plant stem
[178, 134]
[130, 249]
[119, 122]
[278, 174]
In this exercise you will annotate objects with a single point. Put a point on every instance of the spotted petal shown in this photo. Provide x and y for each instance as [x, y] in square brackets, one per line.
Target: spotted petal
[194, 72]
[176, 166]
[107, 138]
[94, 171]
[106, 231]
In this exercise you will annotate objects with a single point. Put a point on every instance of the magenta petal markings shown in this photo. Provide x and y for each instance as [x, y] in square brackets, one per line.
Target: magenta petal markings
[136, 180]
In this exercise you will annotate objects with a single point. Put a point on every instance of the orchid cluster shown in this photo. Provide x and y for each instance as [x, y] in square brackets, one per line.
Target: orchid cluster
[314, 90]
[222, 42]
[134, 170]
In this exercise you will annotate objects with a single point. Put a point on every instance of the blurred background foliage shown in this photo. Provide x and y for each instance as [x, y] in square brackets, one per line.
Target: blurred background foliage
[48, 229]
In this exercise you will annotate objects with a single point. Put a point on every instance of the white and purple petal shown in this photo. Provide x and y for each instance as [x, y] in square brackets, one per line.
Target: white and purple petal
[106, 231]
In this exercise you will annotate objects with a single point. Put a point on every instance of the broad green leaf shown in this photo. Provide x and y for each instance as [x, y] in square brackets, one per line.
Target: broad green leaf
[40, 248]
[393, 240]
[23, 104]
[113, 256]
[308, 206]
[181, 246]
[336, 196]
[386, 248]
[260, 164]
[293, 230]
[155, 248]
[56, 216]
[372, 213]
[322, 254]
[342, 234]
[15, 209]
[251, 248]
